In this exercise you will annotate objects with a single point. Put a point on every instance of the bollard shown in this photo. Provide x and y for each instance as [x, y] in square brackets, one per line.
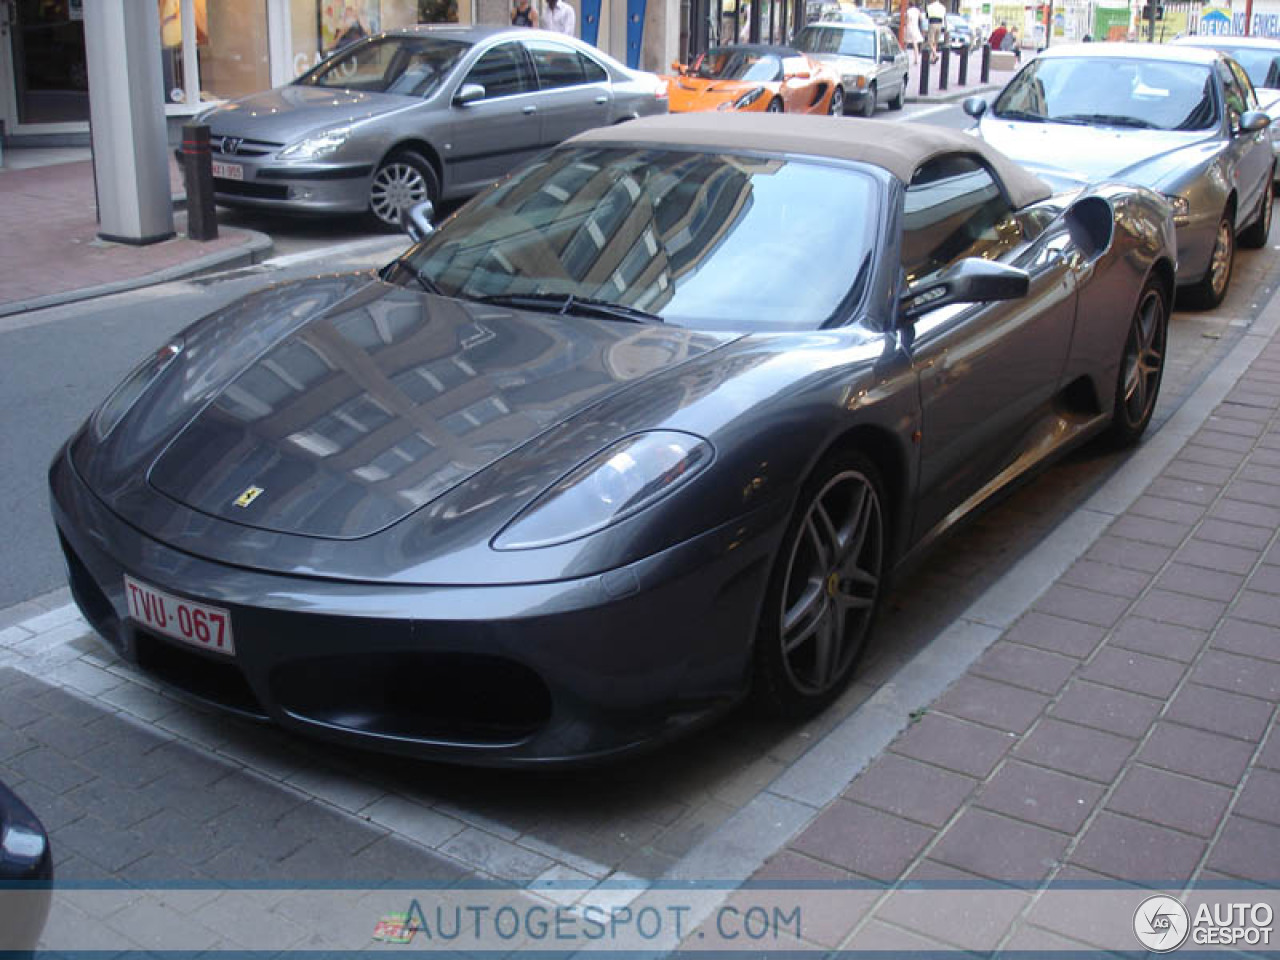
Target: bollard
[925, 57]
[986, 63]
[944, 71]
[964, 65]
[197, 167]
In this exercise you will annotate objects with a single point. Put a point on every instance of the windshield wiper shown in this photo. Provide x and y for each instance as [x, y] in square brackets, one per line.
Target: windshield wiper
[1019, 115]
[405, 266]
[565, 303]
[1107, 120]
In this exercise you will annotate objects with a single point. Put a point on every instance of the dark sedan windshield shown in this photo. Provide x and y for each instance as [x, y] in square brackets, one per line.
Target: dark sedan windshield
[849, 43]
[1142, 94]
[721, 64]
[713, 241]
[412, 66]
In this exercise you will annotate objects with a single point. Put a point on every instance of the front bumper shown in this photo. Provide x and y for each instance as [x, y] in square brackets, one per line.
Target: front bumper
[560, 672]
[296, 188]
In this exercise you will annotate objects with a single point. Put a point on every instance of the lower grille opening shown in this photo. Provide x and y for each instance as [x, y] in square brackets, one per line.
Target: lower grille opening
[207, 679]
[447, 697]
[93, 603]
[248, 188]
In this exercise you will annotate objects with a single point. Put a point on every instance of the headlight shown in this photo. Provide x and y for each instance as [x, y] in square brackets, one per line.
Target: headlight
[745, 100]
[1181, 209]
[135, 385]
[854, 80]
[321, 145]
[621, 480]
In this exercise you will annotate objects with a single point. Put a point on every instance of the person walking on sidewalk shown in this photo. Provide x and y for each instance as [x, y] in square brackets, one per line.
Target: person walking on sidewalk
[914, 38]
[936, 11]
[559, 16]
[524, 15]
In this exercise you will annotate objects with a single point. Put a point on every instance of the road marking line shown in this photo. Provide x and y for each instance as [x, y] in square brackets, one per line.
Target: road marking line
[342, 249]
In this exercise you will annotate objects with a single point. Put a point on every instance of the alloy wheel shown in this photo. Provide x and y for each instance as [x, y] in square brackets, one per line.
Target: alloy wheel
[832, 582]
[1144, 358]
[397, 184]
[836, 108]
[1220, 262]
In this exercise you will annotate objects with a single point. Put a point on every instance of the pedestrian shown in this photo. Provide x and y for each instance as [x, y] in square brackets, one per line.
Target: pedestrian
[524, 15]
[997, 36]
[936, 11]
[915, 39]
[560, 17]
[1010, 42]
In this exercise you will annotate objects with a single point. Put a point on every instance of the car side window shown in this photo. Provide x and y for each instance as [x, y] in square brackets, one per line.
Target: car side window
[1232, 94]
[953, 209]
[562, 66]
[502, 71]
[889, 44]
[1245, 84]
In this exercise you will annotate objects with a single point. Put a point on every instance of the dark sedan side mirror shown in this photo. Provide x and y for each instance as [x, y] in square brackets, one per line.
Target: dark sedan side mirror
[975, 107]
[416, 220]
[468, 93]
[1254, 120]
[972, 280]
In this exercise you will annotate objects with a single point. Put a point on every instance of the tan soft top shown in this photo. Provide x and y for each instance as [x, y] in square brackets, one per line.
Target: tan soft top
[899, 148]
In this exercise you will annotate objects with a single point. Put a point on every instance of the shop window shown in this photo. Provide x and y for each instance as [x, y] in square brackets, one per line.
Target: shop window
[213, 51]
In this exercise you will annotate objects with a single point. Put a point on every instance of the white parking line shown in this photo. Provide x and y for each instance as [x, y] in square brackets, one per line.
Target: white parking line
[342, 249]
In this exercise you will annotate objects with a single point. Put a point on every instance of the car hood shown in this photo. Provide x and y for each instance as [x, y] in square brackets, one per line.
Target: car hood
[1063, 152]
[289, 113]
[699, 93]
[366, 413]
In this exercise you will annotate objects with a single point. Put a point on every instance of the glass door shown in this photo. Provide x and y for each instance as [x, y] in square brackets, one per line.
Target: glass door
[46, 61]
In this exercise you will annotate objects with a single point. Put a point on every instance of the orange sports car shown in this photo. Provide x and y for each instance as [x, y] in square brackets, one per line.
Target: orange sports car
[756, 77]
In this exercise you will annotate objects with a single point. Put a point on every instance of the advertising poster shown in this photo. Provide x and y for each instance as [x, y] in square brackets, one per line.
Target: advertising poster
[345, 21]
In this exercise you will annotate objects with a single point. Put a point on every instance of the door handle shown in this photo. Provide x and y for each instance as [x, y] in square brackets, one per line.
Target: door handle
[602, 100]
[529, 110]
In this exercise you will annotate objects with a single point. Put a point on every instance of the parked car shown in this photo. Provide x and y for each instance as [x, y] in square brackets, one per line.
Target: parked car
[960, 35]
[871, 64]
[756, 77]
[1180, 120]
[646, 426]
[423, 113]
[26, 876]
[1260, 57]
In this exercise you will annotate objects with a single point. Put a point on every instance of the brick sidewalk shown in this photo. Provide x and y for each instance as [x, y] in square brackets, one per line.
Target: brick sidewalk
[1124, 729]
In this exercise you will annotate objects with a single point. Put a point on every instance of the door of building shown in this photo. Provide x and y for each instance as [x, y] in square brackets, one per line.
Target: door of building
[44, 80]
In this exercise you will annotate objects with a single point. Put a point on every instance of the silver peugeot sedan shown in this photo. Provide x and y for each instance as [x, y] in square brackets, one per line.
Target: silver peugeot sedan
[423, 113]
[871, 63]
[1182, 121]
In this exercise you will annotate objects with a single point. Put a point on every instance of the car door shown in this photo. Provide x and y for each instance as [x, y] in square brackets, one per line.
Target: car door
[987, 370]
[492, 135]
[1254, 156]
[574, 93]
[891, 65]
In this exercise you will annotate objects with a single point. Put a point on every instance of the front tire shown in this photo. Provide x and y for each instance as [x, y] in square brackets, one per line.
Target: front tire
[404, 179]
[1255, 237]
[824, 590]
[1211, 290]
[869, 105]
[1141, 366]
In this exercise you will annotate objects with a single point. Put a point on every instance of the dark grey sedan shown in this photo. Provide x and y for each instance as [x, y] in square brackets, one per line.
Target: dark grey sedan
[422, 113]
[644, 428]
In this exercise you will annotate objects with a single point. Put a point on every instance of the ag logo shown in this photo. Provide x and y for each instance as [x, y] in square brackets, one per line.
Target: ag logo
[248, 497]
[1161, 924]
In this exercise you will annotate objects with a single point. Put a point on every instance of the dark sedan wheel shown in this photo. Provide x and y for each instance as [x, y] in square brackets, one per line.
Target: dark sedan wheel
[1256, 236]
[869, 105]
[405, 179]
[1141, 366]
[836, 107]
[775, 106]
[1211, 290]
[824, 590]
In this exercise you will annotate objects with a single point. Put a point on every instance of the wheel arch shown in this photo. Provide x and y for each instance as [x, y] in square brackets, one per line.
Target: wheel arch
[421, 147]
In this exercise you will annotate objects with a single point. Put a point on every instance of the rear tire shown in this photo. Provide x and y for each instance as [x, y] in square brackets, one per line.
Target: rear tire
[824, 590]
[1141, 366]
[869, 105]
[1255, 237]
[836, 107]
[775, 106]
[1211, 290]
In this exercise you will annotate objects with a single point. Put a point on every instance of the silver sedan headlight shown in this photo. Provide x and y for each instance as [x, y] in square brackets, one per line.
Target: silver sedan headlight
[856, 80]
[317, 146]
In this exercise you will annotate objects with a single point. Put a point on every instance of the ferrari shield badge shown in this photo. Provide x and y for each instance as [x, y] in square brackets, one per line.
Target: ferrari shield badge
[246, 498]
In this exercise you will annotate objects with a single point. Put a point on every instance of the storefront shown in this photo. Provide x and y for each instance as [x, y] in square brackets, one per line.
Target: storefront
[217, 49]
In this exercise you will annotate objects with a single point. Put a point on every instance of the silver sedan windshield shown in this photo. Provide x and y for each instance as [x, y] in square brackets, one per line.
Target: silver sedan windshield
[1144, 94]
[713, 241]
[412, 66]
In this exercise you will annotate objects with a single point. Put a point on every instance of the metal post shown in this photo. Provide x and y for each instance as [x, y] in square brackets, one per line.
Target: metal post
[924, 71]
[985, 72]
[944, 68]
[964, 65]
[197, 167]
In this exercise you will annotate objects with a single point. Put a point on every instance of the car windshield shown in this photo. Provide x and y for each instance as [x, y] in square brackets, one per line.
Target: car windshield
[1144, 94]
[849, 43]
[1262, 66]
[728, 64]
[714, 241]
[412, 66]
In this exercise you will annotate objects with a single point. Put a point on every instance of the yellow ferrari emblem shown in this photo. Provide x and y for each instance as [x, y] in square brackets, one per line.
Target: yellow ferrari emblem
[248, 497]
[833, 584]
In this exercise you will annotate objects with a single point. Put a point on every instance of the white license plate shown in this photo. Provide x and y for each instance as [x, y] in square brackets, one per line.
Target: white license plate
[195, 623]
[228, 171]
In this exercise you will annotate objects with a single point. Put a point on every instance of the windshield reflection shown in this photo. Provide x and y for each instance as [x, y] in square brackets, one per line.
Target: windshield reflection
[410, 66]
[713, 241]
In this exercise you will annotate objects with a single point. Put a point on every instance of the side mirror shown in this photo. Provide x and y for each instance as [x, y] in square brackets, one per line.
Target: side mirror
[416, 220]
[972, 280]
[975, 107]
[468, 93]
[1254, 120]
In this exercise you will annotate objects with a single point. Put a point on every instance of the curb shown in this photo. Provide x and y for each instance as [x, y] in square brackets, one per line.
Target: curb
[954, 96]
[256, 250]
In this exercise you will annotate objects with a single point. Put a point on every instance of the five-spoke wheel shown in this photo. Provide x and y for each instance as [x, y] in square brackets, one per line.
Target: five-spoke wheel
[1141, 365]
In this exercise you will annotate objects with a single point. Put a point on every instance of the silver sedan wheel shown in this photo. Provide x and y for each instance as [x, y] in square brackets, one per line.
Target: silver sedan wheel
[832, 581]
[1220, 262]
[397, 184]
